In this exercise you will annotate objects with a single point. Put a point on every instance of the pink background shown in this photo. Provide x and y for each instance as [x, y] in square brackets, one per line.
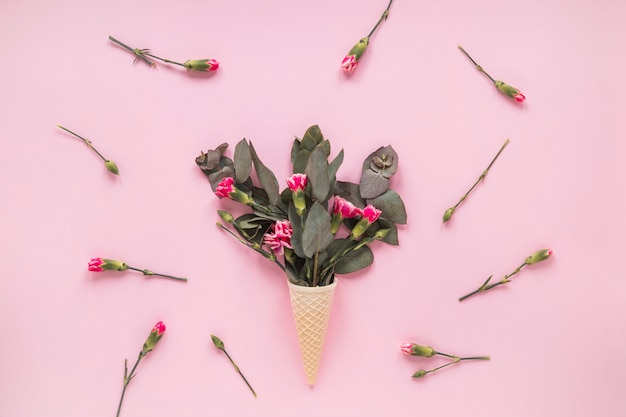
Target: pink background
[556, 334]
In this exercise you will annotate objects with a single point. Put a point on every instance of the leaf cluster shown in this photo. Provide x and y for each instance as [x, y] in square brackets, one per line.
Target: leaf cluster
[316, 254]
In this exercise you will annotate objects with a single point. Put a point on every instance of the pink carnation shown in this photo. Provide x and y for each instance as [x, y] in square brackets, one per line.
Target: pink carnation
[281, 238]
[213, 64]
[225, 187]
[519, 96]
[95, 265]
[407, 348]
[371, 213]
[345, 208]
[159, 328]
[349, 63]
[297, 182]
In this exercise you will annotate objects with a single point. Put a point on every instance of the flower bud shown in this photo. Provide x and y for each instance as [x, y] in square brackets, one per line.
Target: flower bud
[111, 167]
[203, 65]
[510, 91]
[417, 350]
[226, 216]
[381, 234]
[226, 188]
[153, 338]
[99, 265]
[448, 214]
[540, 255]
[297, 184]
[420, 374]
[351, 60]
[217, 342]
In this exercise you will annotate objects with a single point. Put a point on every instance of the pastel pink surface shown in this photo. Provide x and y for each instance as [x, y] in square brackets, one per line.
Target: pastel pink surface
[556, 334]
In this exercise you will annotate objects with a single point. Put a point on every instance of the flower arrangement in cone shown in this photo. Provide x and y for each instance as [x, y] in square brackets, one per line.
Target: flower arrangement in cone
[316, 227]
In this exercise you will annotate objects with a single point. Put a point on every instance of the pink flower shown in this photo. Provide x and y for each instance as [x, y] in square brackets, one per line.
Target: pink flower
[371, 213]
[159, 328]
[297, 182]
[349, 63]
[225, 187]
[407, 348]
[519, 96]
[345, 208]
[95, 265]
[213, 64]
[281, 238]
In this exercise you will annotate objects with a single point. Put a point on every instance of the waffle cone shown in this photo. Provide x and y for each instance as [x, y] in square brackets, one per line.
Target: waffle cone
[311, 311]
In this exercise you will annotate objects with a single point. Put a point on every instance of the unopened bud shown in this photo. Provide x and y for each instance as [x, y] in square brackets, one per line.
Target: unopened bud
[540, 255]
[448, 214]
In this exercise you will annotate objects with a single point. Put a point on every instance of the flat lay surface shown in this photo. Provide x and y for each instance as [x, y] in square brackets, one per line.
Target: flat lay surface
[556, 334]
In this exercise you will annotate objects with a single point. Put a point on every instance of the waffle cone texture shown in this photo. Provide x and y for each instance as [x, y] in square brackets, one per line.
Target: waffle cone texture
[311, 311]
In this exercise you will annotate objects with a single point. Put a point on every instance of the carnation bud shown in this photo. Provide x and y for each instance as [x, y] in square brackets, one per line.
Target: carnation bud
[540, 255]
[203, 65]
[226, 216]
[420, 374]
[111, 167]
[154, 337]
[448, 214]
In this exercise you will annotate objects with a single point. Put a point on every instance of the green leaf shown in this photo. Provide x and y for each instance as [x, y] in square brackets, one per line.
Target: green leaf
[243, 161]
[355, 260]
[302, 159]
[312, 137]
[316, 235]
[225, 168]
[317, 174]
[325, 145]
[391, 205]
[333, 167]
[295, 148]
[350, 191]
[373, 184]
[296, 234]
[266, 176]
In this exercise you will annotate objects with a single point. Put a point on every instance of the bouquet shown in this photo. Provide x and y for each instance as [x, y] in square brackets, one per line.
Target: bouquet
[299, 228]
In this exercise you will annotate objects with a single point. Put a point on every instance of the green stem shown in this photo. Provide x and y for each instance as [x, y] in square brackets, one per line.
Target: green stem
[265, 254]
[147, 272]
[127, 379]
[86, 141]
[139, 53]
[478, 67]
[382, 17]
[165, 60]
[239, 371]
[505, 280]
[482, 176]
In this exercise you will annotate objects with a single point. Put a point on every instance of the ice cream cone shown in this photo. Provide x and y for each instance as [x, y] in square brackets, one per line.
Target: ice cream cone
[311, 311]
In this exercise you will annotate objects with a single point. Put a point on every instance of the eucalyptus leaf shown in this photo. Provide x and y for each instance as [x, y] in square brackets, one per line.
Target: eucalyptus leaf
[333, 167]
[350, 191]
[243, 161]
[296, 234]
[325, 145]
[225, 168]
[373, 184]
[266, 176]
[295, 148]
[312, 137]
[338, 246]
[316, 235]
[355, 260]
[391, 205]
[302, 159]
[317, 174]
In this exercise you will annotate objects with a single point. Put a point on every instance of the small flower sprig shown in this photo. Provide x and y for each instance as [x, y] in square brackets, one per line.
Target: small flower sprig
[503, 87]
[539, 256]
[109, 165]
[101, 264]
[351, 60]
[220, 345]
[150, 343]
[449, 212]
[414, 349]
[203, 65]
